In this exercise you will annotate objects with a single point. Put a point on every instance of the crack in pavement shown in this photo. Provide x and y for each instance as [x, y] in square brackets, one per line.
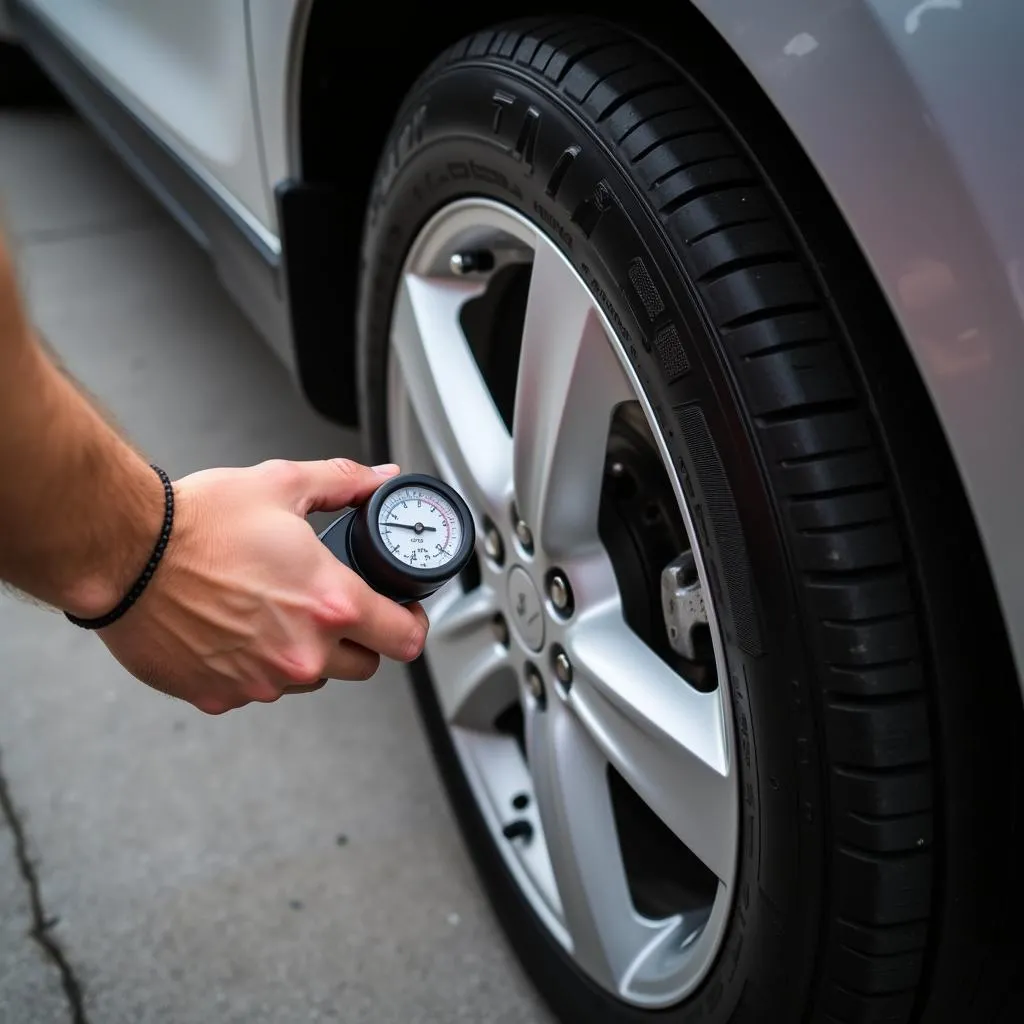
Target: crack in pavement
[41, 924]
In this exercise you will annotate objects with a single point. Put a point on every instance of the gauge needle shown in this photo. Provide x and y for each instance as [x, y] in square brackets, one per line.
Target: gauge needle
[418, 527]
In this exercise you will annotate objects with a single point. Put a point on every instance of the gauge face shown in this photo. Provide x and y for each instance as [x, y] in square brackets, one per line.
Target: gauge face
[419, 527]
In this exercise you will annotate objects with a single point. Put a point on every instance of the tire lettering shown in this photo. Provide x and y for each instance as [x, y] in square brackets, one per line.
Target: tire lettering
[606, 304]
[502, 101]
[526, 138]
[464, 170]
[562, 165]
[554, 223]
[526, 143]
[411, 133]
[408, 136]
[589, 213]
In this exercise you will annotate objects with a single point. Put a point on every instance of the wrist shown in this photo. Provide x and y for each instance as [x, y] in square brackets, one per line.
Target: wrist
[135, 528]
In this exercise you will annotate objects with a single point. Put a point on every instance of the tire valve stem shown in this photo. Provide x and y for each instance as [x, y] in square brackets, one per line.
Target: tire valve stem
[474, 261]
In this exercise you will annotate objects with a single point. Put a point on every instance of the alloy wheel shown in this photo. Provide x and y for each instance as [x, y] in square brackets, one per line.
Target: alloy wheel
[578, 665]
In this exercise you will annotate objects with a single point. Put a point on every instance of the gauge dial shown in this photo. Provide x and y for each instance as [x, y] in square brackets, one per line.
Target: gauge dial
[419, 527]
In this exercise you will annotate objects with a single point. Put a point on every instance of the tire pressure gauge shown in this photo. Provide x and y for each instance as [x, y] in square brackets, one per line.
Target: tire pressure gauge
[412, 536]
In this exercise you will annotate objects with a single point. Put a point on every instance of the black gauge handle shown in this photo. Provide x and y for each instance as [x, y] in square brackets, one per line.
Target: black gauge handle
[354, 539]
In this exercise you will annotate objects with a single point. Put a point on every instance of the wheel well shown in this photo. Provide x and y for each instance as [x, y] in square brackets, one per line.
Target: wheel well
[350, 90]
[350, 86]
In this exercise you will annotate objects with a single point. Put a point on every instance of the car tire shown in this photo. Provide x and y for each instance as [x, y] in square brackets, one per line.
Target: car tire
[874, 877]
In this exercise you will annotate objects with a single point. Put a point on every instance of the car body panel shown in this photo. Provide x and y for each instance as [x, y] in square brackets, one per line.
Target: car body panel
[277, 35]
[183, 70]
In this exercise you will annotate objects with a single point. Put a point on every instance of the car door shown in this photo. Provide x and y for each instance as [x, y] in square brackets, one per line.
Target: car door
[182, 68]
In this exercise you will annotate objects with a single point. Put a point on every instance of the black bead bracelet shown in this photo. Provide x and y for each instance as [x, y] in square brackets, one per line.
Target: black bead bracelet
[147, 574]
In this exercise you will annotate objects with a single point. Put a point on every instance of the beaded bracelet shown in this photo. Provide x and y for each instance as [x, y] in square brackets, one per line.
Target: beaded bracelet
[147, 574]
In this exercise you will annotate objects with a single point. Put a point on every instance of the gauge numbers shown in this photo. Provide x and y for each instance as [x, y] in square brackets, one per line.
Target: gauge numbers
[419, 527]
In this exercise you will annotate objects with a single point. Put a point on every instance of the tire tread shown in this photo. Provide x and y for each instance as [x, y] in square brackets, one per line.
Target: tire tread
[814, 426]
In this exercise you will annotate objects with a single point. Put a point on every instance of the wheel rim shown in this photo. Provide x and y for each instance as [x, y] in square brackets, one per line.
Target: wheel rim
[597, 703]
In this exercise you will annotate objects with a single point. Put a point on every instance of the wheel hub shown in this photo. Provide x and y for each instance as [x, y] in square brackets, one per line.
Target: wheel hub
[526, 610]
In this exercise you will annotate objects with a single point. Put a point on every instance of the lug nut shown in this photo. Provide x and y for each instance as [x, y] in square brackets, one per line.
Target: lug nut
[534, 683]
[524, 536]
[471, 262]
[500, 627]
[560, 593]
[493, 544]
[563, 667]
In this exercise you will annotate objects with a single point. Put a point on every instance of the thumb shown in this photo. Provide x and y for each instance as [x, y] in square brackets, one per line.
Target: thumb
[332, 484]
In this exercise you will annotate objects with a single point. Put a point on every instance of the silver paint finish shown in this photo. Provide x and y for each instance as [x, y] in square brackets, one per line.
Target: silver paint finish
[184, 74]
[911, 112]
[277, 40]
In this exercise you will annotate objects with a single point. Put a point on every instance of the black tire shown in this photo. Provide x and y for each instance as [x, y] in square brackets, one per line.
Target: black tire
[873, 838]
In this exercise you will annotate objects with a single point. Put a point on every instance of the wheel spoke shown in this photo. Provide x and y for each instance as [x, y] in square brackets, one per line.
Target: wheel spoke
[462, 426]
[570, 785]
[615, 704]
[664, 737]
[471, 670]
[570, 380]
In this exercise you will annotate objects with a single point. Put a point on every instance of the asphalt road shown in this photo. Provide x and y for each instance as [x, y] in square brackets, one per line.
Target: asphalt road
[282, 863]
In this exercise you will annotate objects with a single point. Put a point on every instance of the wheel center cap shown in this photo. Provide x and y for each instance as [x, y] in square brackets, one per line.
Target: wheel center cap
[525, 608]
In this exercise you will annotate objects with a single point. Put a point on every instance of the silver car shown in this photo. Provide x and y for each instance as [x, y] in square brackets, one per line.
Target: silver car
[714, 314]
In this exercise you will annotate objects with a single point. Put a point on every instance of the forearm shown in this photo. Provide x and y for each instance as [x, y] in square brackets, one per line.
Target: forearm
[79, 509]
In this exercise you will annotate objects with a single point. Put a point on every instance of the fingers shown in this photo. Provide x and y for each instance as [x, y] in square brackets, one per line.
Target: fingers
[420, 615]
[310, 688]
[331, 484]
[349, 660]
[345, 660]
[378, 623]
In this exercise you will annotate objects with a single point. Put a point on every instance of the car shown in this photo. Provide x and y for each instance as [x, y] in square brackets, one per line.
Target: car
[713, 313]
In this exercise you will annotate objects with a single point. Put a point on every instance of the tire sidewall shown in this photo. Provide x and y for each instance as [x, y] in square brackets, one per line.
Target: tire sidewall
[452, 141]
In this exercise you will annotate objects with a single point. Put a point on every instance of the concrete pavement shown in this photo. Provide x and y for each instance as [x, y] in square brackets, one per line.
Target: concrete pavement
[279, 864]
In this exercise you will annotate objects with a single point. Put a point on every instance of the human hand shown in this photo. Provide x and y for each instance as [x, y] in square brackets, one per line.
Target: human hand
[248, 604]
